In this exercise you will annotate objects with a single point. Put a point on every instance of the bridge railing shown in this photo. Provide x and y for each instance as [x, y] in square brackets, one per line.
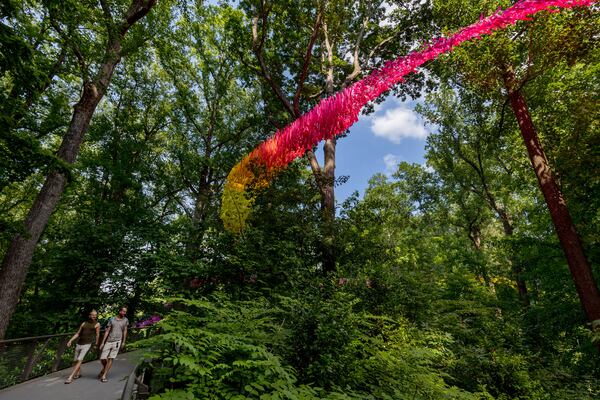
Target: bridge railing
[136, 387]
[26, 358]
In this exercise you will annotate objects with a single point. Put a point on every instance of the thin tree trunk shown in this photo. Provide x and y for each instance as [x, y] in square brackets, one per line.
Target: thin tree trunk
[517, 266]
[474, 234]
[328, 206]
[134, 303]
[202, 200]
[561, 218]
[328, 174]
[507, 227]
[20, 252]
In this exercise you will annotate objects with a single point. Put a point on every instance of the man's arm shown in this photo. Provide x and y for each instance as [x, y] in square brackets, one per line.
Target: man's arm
[75, 336]
[97, 334]
[124, 337]
[106, 332]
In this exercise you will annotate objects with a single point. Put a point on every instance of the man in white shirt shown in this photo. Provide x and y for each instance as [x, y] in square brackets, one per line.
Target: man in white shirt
[114, 340]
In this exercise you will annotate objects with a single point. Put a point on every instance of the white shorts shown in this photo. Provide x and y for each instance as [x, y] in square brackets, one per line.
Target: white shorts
[110, 350]
[81, 350]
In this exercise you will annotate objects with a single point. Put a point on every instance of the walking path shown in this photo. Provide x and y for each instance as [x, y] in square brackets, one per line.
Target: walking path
[88, 387]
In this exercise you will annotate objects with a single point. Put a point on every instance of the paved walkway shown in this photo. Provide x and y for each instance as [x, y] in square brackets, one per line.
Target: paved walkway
[88, 387]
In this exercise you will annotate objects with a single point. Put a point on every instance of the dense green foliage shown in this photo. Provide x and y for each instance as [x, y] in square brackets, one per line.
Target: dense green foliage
[424, 303]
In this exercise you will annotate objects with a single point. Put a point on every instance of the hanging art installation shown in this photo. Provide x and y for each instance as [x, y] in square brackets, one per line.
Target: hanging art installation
[335, 114]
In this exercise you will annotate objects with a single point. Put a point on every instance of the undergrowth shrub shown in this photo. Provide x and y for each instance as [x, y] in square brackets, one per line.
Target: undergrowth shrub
[293, 348]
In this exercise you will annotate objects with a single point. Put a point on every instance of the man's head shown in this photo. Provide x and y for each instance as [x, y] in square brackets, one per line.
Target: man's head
[122, 311]
[93, 315]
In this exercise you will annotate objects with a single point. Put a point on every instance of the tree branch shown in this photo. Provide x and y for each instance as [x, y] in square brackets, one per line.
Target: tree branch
[356, 62]
[109, 22]
[257, 46]
[306, 64]
[380, 45]
[316, 169]
[76, 51]
[329, 70]
[137, 10]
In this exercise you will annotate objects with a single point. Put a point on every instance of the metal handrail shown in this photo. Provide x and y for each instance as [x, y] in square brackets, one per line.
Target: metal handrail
[25, 339]
[26, 358]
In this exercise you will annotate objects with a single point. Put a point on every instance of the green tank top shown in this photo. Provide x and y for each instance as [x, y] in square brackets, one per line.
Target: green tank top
[88, 333]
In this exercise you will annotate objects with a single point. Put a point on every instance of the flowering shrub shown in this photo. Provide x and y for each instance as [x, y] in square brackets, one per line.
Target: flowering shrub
[148, 322]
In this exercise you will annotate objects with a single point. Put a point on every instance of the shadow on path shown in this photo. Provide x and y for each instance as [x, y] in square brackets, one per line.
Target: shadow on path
[88, 387]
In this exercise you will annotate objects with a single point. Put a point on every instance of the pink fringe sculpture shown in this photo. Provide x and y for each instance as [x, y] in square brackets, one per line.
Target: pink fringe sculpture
[335, 114]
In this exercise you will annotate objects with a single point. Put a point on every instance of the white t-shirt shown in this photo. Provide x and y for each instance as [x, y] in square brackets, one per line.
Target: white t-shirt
[117, 327]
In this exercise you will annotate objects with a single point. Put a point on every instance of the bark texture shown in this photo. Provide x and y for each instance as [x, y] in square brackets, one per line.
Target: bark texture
[324, 177]
[18, 257]
[579, 267]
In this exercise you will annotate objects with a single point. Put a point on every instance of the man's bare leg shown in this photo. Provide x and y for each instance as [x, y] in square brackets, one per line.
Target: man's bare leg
[75, 371]
[107, 368]
[103, 361]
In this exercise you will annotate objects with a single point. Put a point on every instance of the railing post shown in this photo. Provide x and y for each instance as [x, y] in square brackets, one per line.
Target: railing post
[62, 347]
[29, 364]
[34, 358]
[143, 391]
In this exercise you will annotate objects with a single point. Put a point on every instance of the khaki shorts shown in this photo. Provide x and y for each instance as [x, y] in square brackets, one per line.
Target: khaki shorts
[81, 350]
[110, 350]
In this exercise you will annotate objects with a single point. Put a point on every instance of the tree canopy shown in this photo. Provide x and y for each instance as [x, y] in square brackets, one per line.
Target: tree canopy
[120, 120]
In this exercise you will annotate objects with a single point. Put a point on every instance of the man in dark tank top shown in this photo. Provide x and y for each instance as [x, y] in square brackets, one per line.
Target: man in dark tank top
[88, 333]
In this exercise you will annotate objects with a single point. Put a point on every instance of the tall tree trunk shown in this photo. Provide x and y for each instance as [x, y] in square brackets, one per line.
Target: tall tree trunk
[20, 252]
[202, 200]
[134, 303]
[328, 206]
[324, 178]
[327, 184]
[561, 218]
[18, 257]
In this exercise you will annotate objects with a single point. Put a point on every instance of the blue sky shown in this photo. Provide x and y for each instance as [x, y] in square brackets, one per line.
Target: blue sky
[377, 143]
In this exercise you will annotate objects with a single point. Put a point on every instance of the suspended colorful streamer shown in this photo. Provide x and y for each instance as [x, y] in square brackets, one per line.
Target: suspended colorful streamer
[335, 114]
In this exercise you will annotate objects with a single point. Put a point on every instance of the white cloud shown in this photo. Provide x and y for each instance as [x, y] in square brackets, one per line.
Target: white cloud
[397, 124]
[389, 9]
[391, 162]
